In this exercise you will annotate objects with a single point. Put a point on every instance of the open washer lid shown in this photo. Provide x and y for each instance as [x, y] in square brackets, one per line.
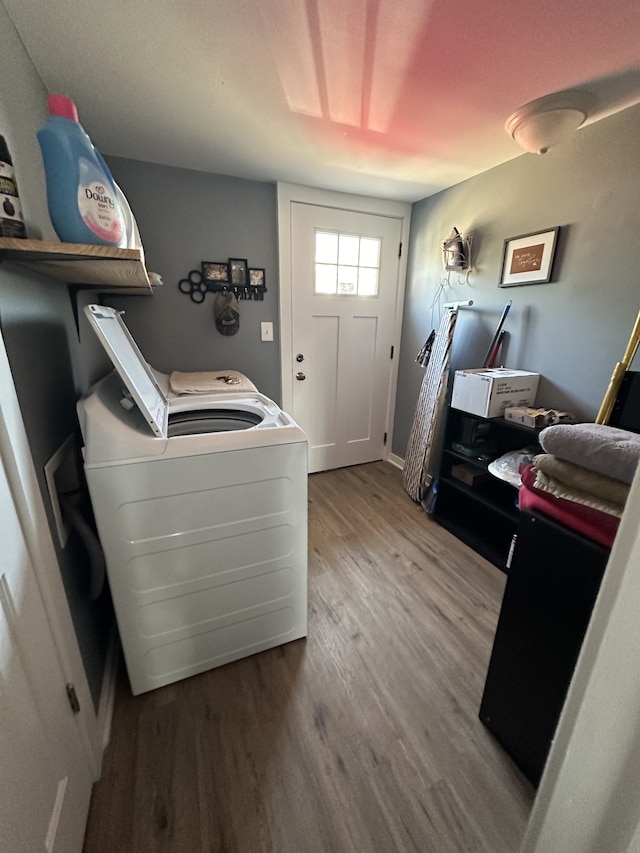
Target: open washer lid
[131, 366]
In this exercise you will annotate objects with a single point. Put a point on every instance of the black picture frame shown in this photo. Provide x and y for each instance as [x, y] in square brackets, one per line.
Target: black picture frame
[238, 272]
[257, 277]
[528, 259]
[215, 271]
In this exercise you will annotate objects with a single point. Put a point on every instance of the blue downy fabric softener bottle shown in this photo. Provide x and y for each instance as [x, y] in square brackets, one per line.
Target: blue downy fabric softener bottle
[81, 194]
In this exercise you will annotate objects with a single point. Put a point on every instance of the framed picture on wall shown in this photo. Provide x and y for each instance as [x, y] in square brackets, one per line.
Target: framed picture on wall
[238, 271]
[215, 271]
[528, 259]
[256, 277]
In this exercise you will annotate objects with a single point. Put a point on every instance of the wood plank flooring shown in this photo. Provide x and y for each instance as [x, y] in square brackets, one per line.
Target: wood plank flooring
[362, 738]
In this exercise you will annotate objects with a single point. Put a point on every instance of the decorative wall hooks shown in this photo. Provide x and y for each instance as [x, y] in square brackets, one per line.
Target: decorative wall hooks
[232, 276]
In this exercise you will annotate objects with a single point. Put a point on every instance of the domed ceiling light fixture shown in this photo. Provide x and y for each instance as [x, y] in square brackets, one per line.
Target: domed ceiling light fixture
[549, 121]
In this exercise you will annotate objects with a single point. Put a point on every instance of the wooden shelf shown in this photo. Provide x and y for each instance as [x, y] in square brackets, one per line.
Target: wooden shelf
[77, 264]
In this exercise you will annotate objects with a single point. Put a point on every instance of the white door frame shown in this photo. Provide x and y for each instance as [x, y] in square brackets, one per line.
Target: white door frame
[30, 510]
[289, 194]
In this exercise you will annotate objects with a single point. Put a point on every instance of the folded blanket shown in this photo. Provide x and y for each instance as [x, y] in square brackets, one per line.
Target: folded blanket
[207, 382]
[577, 477]
[572, 483]
[598, 447]
[589, 522]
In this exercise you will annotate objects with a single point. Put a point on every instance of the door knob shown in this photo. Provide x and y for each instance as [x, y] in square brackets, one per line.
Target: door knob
[300, 376]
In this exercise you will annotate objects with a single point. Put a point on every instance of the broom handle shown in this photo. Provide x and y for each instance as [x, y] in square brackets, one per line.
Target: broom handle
[494, 340]
[611, 394]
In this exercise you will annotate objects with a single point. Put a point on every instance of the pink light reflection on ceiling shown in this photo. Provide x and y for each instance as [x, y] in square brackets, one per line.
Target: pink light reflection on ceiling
[389, 77]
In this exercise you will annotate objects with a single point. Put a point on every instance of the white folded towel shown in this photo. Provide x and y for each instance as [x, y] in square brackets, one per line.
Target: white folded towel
[210, 381]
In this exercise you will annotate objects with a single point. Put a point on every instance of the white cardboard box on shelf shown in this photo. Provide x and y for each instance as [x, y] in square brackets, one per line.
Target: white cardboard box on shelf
[488, 391]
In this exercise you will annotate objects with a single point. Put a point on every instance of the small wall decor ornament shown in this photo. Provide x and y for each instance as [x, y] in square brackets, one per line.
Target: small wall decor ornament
[231, 276]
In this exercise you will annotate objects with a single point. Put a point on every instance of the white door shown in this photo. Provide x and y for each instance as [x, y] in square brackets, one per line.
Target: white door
[345, 271]
[45, 778]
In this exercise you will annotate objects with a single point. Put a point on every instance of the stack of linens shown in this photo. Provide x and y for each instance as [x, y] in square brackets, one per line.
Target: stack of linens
[583, 477]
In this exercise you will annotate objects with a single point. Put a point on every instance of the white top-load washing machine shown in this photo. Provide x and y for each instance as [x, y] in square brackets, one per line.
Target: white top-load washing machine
[201, 507]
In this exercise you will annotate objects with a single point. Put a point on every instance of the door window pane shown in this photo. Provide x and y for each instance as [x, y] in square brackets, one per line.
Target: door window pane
[326, 276]
[348, 250]
[326, 247]
[369, 252]
[367, 282]
[347, 279]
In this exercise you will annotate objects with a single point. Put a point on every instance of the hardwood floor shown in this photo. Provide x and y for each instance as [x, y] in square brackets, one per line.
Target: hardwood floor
[363, 738]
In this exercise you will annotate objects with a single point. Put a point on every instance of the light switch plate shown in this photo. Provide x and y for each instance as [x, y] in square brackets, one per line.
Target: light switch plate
[266, 331]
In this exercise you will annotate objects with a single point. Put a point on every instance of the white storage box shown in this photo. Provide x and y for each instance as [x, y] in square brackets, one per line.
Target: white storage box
[488, 391]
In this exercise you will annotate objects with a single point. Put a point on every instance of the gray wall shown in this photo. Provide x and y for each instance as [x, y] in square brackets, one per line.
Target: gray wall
[186, 217]
[572, 330]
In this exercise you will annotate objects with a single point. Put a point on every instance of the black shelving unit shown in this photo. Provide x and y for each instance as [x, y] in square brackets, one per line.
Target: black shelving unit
[483, 515]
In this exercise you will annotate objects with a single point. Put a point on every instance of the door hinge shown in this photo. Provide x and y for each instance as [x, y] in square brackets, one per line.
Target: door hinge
[73, 698]
[400, 250]
[385, 438]
[392, 351]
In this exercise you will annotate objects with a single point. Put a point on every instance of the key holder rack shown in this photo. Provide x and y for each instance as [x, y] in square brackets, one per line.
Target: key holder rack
[223, 277]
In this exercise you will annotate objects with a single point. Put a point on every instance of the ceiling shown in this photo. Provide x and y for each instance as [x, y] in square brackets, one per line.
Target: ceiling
[388, 98]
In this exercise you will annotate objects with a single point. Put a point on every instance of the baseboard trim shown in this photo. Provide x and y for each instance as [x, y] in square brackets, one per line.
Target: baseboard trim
[108, 690]
[396, 460]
